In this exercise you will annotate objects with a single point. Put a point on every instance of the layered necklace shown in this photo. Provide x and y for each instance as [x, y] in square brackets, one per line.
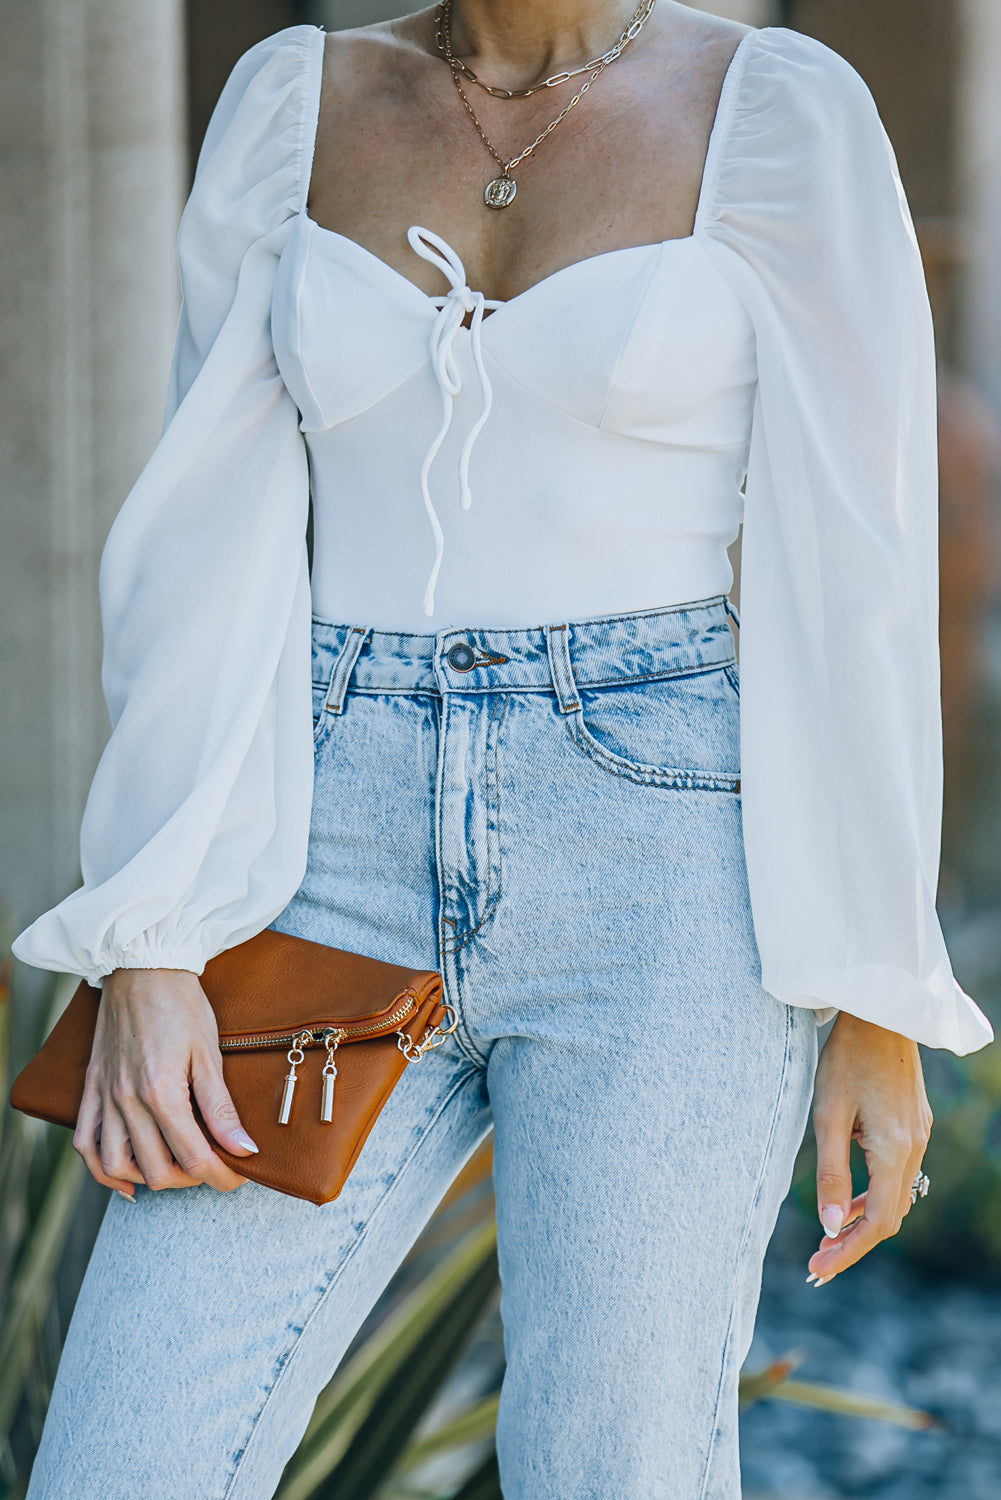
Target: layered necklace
[500, 191]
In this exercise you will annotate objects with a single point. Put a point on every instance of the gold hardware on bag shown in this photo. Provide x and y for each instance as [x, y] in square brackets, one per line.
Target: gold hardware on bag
[434, 1037]
[331, 1038]
[296, 1056]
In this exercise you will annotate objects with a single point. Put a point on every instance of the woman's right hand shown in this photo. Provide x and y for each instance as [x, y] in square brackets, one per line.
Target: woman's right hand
[155, 1048]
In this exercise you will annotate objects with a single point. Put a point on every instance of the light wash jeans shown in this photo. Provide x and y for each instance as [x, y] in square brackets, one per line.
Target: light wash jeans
[552, 817]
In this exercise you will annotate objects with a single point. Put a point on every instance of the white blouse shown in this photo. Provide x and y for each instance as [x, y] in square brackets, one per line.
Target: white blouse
[542, 465]
[775, 367]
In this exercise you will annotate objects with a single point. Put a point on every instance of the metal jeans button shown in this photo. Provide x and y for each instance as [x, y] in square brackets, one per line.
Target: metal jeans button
[461, 656]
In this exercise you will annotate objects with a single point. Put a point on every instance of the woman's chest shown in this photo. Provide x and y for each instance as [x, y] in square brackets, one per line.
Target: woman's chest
[397, 146]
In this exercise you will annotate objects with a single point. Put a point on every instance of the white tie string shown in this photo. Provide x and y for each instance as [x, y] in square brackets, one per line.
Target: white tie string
[454, 306]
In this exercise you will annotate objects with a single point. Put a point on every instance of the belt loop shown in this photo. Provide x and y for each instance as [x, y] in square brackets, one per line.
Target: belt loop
[731, 611]
[561, 667]
[343, 667]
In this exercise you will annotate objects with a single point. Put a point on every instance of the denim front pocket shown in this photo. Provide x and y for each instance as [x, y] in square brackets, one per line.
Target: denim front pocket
[680, 731]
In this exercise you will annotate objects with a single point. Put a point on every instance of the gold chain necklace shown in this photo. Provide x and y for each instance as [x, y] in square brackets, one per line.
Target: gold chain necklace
[500, 191]
[631, 31]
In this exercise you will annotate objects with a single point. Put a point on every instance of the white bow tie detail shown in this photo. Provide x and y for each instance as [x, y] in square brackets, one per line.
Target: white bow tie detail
[453, 307]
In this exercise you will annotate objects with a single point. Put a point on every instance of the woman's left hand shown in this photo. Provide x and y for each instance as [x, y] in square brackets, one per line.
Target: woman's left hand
[869, 1088]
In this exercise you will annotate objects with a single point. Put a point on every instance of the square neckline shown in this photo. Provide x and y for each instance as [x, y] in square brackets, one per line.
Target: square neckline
[713, 147]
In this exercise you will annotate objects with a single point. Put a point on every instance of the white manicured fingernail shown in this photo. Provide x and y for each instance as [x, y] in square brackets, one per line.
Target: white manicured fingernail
[129, 1197]
[833, 1220]
[821, 1281]
[243, 1139]
[812, 1277]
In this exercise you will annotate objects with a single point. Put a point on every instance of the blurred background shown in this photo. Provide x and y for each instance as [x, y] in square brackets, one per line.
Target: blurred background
[886, 1384]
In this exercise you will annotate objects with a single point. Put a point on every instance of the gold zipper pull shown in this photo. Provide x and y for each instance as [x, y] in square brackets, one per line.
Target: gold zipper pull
[331, 1038]
[296, 1055]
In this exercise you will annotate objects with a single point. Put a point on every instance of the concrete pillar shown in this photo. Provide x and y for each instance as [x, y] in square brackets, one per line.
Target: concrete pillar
[91, 175]
[979, 153]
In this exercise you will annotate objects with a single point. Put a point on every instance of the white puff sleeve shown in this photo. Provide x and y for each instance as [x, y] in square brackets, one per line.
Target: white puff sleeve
[196, 826]
[841, 772]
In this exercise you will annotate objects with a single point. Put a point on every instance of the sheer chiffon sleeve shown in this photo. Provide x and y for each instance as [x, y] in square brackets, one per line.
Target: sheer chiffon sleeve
[841, 771]
[196, 826]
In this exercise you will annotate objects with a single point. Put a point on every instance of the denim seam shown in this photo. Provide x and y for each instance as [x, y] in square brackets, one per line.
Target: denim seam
[672, 779]
[461, 1082]
[493, 894]
[701, 669]
[321, 733]
[745, 1237]
[732, 676]
[463, 1036]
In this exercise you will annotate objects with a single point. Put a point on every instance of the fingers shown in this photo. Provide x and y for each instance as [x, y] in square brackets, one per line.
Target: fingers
[91, 1137]
[170, 1148]
[126, 1139]
[216, 1104]
[869, 1088]
[881, 1217]
[137, 1122]
[834, 1177]
[150, 1143]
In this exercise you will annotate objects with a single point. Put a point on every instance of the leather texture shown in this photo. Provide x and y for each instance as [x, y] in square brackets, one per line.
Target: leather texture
[273, 983]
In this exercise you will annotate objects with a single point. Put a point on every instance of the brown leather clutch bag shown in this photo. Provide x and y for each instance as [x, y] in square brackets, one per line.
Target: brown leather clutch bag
[313, 1042]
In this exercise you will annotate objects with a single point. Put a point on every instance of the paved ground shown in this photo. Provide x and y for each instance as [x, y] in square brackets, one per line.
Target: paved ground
[886, 1332]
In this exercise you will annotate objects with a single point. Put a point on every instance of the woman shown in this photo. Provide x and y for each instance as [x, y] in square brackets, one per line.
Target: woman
[532, 426]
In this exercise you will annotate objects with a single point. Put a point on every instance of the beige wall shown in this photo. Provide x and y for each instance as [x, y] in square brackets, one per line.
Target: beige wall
[91, 173]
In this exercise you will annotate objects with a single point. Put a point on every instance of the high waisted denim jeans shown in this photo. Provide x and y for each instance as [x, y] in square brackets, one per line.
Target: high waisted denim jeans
[553, 818]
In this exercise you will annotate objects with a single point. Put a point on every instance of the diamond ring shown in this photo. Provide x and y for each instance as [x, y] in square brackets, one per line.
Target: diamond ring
[919, 1187]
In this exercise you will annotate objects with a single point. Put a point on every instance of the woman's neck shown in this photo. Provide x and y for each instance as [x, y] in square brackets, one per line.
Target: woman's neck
[517, 42]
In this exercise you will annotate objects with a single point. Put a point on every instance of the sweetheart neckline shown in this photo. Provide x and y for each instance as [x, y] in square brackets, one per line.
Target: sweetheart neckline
[428, 299]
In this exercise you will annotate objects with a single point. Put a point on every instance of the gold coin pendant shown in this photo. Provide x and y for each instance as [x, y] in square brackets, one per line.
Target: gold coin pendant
[500, 192]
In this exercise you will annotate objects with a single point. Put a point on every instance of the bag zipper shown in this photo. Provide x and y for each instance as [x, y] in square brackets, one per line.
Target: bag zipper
[331, 1036]
[305, 1036]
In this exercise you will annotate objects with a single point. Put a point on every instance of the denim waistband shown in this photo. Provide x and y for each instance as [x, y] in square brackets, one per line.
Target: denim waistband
[561, 657]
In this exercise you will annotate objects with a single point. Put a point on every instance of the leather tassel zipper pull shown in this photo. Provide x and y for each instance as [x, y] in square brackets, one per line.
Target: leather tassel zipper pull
[296, 1055]
[331, 1039]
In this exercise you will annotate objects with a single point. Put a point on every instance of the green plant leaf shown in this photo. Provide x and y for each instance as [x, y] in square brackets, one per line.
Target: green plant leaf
[378, 1361]
[484, 1484]
[773, 1384]
[762, 1383]
[31, 1288]
[475, 1425]
[407, 1394]
[852, 1404]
